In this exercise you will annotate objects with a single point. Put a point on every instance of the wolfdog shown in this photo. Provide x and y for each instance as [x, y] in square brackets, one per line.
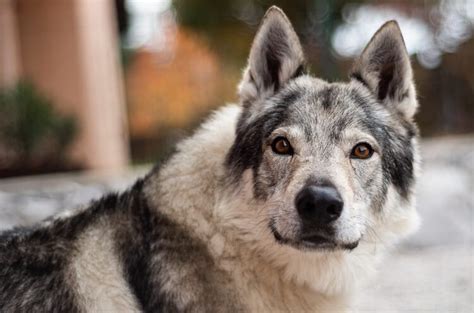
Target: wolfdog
[282, 203]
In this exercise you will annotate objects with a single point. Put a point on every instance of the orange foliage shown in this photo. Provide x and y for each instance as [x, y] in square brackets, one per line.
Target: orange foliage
[173, 87]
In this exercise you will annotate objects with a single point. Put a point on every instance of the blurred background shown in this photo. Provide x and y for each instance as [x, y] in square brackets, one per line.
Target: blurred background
[100, 89]
[104, 84]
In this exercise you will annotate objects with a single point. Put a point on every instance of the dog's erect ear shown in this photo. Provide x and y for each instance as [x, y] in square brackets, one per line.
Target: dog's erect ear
[384, 66]
[276, 57]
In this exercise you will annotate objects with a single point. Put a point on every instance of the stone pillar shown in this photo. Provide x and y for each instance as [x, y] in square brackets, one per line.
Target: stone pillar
[101, 72]
[9, 45]
[69, 49]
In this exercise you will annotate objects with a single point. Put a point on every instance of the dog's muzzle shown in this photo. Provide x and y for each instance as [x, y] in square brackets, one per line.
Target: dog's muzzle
[318, 206]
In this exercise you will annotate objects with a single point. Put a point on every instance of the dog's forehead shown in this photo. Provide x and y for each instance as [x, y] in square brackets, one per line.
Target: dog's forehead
[316, 105]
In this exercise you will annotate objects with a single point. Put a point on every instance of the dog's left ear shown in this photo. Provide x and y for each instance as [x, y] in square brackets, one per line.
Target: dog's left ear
[384, 66]
[276, 57]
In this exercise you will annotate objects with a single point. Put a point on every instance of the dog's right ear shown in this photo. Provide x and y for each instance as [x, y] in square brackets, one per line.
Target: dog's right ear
[384, 67]
[276, 57]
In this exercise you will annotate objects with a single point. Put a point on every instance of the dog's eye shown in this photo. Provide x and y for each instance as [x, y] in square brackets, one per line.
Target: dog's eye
[362, 151]
[281, 145]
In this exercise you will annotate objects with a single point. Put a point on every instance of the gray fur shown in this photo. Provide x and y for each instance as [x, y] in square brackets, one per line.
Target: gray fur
[215, 229]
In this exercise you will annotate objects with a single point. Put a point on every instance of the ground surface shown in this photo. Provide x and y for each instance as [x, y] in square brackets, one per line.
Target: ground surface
[432, 271]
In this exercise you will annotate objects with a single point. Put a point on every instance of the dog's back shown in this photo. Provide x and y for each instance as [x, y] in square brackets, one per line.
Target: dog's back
[44, 268]
[116, 255]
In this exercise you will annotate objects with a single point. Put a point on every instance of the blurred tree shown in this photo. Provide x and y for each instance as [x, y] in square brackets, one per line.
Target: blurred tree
[446, 92]
[31, 132]
[123, 18]
[226, 25]
[169, 90]
[123, 24]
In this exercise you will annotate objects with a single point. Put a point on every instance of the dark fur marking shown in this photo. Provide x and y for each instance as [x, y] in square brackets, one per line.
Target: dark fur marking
[386, 81]
[299, 71]
[397, 163]
[273, 63]
[134, 246]
[275, 49]
[397, 150]
[290, 96]
[326, 96]
[246, 151]
[404, 95]
[358, 77]
[153, 249]
[388, 62]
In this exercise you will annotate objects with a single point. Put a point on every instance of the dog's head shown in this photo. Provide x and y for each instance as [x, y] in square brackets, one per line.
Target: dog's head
[330, 164]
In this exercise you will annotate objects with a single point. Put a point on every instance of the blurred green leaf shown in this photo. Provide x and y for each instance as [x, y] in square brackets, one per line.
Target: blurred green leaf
[29, 122]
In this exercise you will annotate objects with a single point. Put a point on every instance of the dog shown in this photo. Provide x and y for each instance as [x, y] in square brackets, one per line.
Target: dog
[285, 202]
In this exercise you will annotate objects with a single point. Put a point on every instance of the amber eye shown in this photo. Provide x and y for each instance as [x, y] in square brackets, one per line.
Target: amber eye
[281, 145]
[362, 151]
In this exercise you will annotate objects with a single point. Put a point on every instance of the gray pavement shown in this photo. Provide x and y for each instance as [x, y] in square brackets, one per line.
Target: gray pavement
[432, 271]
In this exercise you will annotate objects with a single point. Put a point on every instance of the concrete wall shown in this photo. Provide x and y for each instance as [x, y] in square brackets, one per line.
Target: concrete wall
[69, 50]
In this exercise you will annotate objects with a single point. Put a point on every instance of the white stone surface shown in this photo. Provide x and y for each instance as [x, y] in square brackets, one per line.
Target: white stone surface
[434, 279]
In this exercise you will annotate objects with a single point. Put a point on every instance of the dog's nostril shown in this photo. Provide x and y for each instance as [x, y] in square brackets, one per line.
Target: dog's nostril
[320, 204]
[332, 210]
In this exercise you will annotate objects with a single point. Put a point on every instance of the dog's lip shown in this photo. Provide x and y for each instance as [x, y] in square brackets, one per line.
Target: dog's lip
[316, 239]
[350, 245]
[314, 242]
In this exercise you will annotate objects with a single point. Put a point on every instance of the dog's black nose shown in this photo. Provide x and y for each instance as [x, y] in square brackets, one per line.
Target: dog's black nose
[319, 204]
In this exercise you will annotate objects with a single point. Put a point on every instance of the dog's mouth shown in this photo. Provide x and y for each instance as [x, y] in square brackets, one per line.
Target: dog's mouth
[313, 242]
[317, 241]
